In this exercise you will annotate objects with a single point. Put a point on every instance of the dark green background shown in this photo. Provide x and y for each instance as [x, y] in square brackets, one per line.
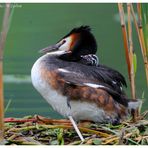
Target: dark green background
[35, 26]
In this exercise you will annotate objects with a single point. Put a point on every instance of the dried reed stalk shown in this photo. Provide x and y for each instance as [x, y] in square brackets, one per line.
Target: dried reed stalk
[131, 52]
[139, 30]
[128, 45]
[145, 42]
[2, 44]
[125, 40]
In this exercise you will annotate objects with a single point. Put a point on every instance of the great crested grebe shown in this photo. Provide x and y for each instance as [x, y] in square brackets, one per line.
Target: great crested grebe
[73, 82]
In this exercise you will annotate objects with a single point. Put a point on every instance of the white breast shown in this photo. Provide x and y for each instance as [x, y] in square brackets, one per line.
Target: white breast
[57, 101]
[79, 110]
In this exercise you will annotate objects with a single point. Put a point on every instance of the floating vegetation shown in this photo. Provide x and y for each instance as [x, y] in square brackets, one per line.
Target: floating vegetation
[38, 130]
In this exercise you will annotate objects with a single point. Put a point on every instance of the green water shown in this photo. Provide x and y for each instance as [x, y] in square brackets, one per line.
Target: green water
[35, 26]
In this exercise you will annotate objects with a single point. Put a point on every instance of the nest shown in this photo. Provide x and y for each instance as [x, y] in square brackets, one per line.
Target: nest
[38, 130]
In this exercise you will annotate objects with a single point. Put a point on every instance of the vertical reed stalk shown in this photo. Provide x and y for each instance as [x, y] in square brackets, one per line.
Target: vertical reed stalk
[131, 55]
[141, 38]
[131, 52]
[145, 24]
[128, 50]
[2, 44]
[125, 40]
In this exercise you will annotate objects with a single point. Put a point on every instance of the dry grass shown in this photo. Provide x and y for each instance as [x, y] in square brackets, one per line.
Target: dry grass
[39, 130]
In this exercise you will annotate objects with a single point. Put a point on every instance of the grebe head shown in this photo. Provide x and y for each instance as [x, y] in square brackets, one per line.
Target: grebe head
[79, 41]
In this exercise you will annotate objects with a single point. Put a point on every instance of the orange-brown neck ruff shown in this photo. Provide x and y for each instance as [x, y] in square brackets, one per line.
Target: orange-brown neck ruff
[74, 40]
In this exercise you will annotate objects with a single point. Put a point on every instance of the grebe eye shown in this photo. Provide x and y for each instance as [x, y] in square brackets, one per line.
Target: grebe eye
[63, 41]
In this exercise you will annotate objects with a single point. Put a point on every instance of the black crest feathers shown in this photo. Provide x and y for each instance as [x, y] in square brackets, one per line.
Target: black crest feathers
[81, 29]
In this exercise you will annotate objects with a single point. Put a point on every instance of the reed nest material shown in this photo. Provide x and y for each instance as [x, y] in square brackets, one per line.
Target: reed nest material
[38, 130]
